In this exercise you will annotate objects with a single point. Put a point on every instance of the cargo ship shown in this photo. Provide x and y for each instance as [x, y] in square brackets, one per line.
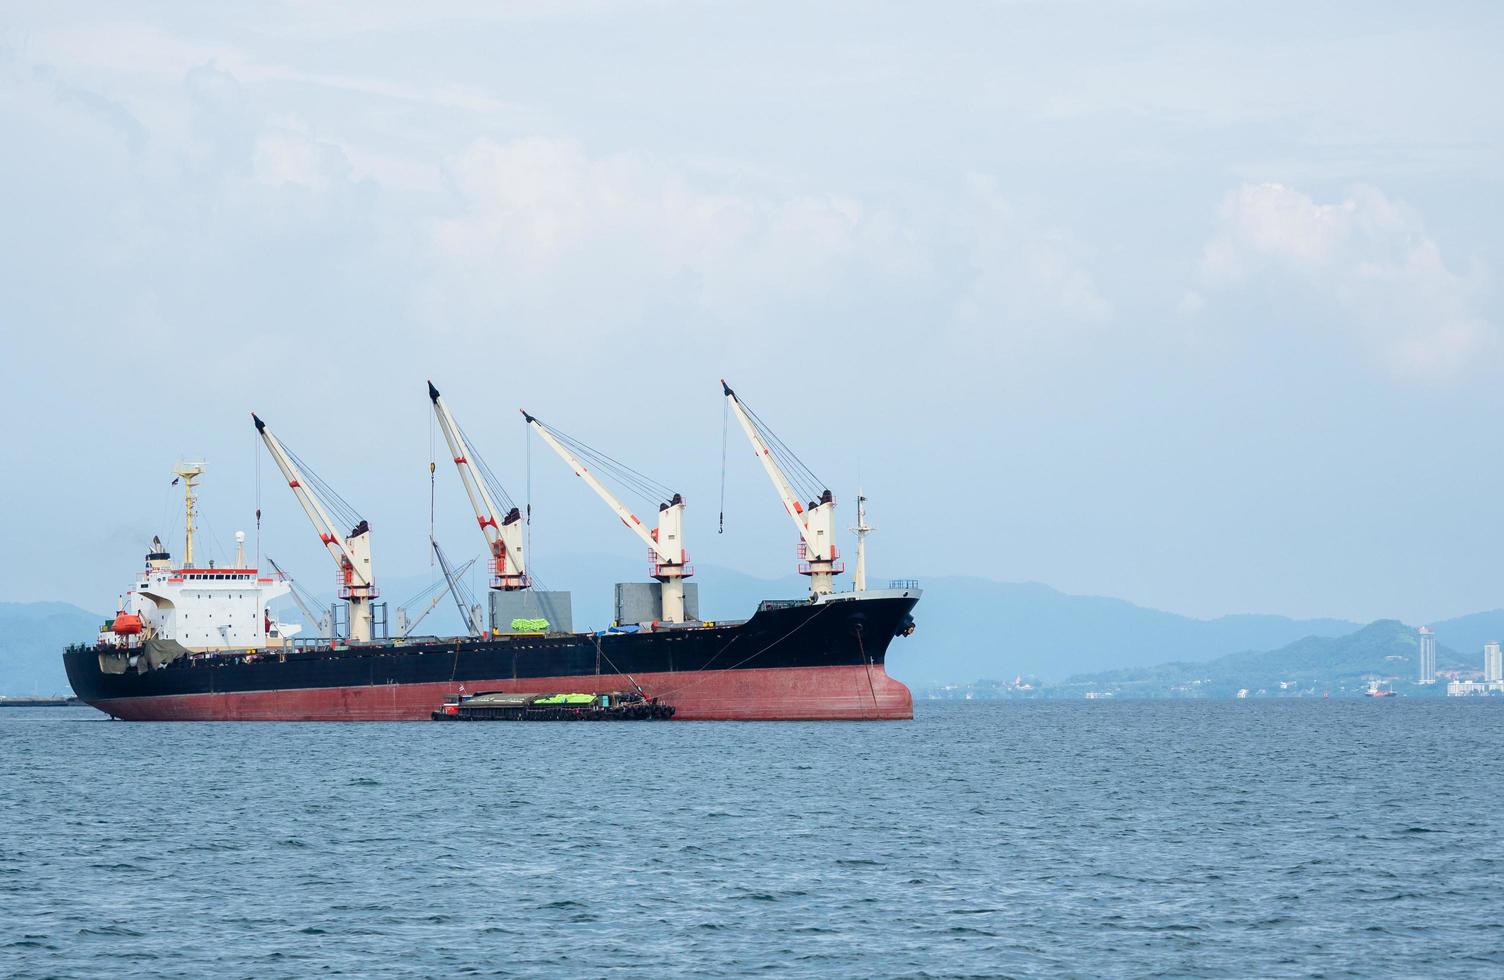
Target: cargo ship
[192, 641]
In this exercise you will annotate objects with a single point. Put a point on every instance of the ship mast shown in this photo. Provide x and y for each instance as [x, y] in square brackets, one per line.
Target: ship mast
[351, 552]
[665, 543]
[816, 522]
[862, 529]
[188, 472]
[503, 536]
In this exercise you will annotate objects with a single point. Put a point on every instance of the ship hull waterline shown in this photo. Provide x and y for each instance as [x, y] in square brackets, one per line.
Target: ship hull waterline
[809, 662]
[787, 694]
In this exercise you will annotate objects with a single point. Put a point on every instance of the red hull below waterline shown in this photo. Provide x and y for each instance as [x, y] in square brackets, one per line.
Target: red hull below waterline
[834, 693]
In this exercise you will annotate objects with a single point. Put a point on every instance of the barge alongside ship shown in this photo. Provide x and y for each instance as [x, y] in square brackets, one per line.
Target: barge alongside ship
[199, 643]
[494, 706]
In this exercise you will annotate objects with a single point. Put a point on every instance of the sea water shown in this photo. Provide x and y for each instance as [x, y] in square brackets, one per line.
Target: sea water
[981, 839]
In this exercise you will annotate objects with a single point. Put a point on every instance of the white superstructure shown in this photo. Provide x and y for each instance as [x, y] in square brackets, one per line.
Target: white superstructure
[208, 608]
[202, 608]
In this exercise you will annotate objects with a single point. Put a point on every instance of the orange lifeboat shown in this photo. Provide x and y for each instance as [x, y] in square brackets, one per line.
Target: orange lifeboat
[127, 624]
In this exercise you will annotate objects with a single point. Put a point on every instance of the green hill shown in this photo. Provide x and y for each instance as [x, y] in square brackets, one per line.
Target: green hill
[1387, 649]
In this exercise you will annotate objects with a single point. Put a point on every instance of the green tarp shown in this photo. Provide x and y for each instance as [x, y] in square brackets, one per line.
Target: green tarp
[566, 699]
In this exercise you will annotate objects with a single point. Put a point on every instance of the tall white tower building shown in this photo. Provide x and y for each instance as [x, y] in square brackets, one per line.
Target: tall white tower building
[1427, 656]
[1493, 663]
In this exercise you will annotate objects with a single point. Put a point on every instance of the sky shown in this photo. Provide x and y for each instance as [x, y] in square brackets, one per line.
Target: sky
[1197, 305]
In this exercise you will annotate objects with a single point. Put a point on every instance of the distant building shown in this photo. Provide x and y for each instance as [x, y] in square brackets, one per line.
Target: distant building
[1427, 656]
[1493, 676]
[1461, 689]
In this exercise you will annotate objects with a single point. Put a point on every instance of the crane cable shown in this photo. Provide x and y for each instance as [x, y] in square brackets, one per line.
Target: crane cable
[256, 452]
[432, 483]
[492, 483]
[800, 476]
[632, 481]
[325, 494]
[725, 422]
[528, 466]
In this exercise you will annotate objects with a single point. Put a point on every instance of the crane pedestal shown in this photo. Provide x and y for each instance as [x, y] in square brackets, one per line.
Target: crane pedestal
[643, 602]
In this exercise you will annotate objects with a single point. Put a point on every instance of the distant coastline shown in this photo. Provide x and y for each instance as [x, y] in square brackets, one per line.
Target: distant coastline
[1383, 653]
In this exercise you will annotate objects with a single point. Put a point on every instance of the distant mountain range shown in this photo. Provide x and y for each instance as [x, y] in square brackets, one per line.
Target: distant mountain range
[969, 628]
[32, 638]
[1316, 665]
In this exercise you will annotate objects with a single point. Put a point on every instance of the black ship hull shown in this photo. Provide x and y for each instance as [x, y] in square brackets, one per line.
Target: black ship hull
[802, 660]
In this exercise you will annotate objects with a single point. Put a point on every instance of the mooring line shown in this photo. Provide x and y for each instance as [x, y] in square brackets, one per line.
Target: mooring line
[867, 662]
[745, 659]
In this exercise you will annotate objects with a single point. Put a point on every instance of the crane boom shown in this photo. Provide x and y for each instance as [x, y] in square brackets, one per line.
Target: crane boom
[765, 456]
[665, 543]
[627, 517]
[406, 626]
[432, 595]
[452, 579]
[503, 535]
[351, 552]
[816, 522]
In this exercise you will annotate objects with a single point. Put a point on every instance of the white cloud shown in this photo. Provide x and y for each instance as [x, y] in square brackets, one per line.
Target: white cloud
[1368, 256]
[286, 156]
[539, 221]
[1025, 273]
[539, 230]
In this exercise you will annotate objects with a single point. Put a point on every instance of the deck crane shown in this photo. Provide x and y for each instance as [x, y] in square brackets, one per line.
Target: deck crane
[503, 534]
[469, 614]
[406, 621]
[666, 554]
[351, 551]
[304, 600]
[430, 597]
[815, 521]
